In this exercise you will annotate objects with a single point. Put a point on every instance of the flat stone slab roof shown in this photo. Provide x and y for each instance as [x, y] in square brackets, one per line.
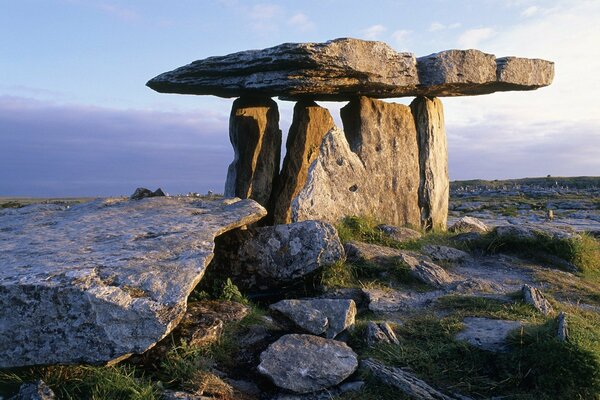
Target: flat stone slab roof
[343, 68]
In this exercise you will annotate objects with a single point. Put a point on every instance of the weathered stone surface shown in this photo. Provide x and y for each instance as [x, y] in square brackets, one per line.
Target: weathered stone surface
[380, 332]
[142, 193]
[307, 363]
[35, 391]
[399, 233]
[562, 331]
[367, 252]
[271, 256]
[445, 253]
[434, 184]
[384, 301]
[318, 316]
[343, 68]
[95, 282]
[426, 271]
[536, 298]
[469, 224]
[405, 381]
[487, 334]
[371, 169]
[256, 138]
[310, 123]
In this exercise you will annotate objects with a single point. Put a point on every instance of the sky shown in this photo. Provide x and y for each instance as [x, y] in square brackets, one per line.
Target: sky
[76, 118]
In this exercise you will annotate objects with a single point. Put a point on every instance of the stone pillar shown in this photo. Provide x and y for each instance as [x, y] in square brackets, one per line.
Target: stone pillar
[433, 161]
[256, 138]
[309, 125]
[383, 136]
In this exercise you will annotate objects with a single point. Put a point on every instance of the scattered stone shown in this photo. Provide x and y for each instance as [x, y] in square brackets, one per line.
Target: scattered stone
[342, 68]
[306, 363]
[142, 193]
[380, 332]
[563, 329]
[318, 316]
[531, 232]
[98, 281]
[469, 224]
[445, 253]
[467, 237]
[405, 381]
[426, 271]
[366, 252]
[398, 233]
[487, 334]
[434, 184]
[272, 256]
[181, 395]
[385, 301]
[256, 138]
[310, 123]
[371, 167]
[516, 232]
[536, 298]
[37, 390]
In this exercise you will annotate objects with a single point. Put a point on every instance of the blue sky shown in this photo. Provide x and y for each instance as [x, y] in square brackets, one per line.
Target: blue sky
[76, 118]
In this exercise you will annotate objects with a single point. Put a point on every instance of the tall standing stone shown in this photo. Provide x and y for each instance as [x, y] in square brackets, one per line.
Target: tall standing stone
[256, 138]
[310, 123]
[433, 162]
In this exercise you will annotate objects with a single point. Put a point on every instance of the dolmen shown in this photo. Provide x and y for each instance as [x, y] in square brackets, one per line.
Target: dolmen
[390, 160]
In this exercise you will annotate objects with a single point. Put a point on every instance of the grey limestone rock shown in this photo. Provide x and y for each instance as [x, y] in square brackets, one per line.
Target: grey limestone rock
[535, 297]
[562, 331]
[142, 193]
[469, 224]
[426, 271]
[399, 233]
[256, 138]
[487, 334]
[445, 253]
[380, 332]
[319, 316]
[38, 390]
[98, 281]
[307, 363]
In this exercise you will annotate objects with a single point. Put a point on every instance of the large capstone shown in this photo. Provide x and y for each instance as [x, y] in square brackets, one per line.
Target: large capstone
[98, 281]
[434, 185]
[307, 363]
[256, 138]
[370, 168]
[343, 68]
[310, 124]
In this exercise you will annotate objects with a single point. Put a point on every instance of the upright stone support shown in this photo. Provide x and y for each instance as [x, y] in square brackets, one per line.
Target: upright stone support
[256, 138]
[433, 162]
[309, 125]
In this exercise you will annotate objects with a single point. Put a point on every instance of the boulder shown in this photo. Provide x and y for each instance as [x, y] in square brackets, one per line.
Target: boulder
[434, 184]
[536, 298]
[384, 301]
[372, 168]
[399, 233]
[342, 68]
[98, 281]
[427, 272]
[256, 138]
[38, 390]
[319, 316]
[444, 253]
[142, 193]
[310, 123]
[360, 252]
[307, 363]
[469, 224]
[274, 256]
[380, 332]
[487, 334]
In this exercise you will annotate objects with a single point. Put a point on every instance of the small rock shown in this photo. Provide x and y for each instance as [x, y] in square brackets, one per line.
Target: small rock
[365, 252]
[536, 298]
[317, 316]
[181, 395]
[307, 363]
[563, 330]
[469, 224]
[445, 253]
[380, 332]
[398, 233]
[487, 334]
[426, 271]
[386, 300]
[467, 237]
[514, 232]
[142, 193]
[37, 390]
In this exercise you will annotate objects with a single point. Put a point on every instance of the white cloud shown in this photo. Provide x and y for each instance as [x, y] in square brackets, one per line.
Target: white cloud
[301, 22]
[373, 32]
[530, 11]
[400, 36]
[264, 17]
[473, 37]
[437, 26]
[454, 25]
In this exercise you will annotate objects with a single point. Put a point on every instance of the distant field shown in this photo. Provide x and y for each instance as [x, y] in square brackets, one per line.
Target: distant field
[14, 202]
[578, 182]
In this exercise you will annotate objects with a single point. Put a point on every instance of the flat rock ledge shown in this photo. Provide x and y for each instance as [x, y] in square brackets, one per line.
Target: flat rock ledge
[99, 281]
[342, 68]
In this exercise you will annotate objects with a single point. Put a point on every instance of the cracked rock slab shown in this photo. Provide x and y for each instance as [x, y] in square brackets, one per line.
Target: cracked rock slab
[487, 334]
[99, 281]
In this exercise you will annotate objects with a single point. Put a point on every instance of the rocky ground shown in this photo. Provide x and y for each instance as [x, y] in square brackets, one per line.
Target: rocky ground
[375, 312]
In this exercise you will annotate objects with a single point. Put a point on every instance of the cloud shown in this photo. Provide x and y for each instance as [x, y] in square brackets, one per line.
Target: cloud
[264, 17]
[473, 37]
[437, 26]
[373, 32]
[301, 22]
[72, 150]
[530, 11]
[400, 36]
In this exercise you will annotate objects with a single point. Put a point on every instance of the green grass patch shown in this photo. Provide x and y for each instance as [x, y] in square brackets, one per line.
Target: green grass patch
[474, 306]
